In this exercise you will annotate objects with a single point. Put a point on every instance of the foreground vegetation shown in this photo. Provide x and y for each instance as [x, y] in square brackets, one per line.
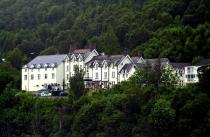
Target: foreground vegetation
[129, 109]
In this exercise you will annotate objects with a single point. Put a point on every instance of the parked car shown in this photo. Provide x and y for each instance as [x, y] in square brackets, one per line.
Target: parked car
[56, 92]
[43, 94]
[63, 94]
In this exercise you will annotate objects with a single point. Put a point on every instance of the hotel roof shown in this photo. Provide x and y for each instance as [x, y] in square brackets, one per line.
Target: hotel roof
[48, 59]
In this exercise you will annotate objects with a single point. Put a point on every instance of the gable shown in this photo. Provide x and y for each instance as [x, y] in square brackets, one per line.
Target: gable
[91, 55]
[126, 60]
[141, 60]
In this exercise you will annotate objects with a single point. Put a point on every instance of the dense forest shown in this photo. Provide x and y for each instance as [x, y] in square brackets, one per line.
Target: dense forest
[130, 109]
[178, 30]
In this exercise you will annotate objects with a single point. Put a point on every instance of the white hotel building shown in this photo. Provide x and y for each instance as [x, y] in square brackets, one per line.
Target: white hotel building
[101, 71]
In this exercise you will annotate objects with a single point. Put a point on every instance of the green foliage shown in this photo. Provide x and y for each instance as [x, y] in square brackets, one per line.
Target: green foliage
[16, 58]
[128, 109]
[49, 51]
[169, 77]
[77, 83]
[178, 28]
[204, 77]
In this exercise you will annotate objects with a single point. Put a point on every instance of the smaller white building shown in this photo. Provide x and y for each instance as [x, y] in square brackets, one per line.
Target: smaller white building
[191, 72]
[43, 71]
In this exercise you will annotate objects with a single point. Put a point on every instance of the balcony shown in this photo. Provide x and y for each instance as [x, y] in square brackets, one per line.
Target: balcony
[88, 78]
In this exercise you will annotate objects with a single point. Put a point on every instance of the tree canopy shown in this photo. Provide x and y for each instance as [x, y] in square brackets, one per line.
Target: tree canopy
[179, 29]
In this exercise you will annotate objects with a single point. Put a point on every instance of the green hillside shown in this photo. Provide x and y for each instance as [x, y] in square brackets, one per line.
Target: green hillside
[178, 29]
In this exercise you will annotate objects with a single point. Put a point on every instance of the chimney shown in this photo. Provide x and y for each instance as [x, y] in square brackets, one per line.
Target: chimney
[141, 54]
[71, 47]
[125, 52]
[92, 45]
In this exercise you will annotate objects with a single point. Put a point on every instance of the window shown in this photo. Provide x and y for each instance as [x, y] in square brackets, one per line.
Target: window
[32, 76]
[105, 75]
[45, 69]
[31, 70]
[25, 77]
[96, 66]
[113, 66]
[53, 69]
[53, 75]
[67, 76]
[123, 75]
[105, 66]
[113, 74]
[67, 68]
[45, 76]
[25, 70]
[96, 75]
[38, 69]
[73, 59]
[39, 77]
[80, 66]
[113, 82]
[75, 67]
[87, 75]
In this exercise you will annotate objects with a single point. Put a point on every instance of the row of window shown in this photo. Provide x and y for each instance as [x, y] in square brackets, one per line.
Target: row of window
[105, 75]
[191, 76]
[125, 75]
[190, 70]
[39, 76]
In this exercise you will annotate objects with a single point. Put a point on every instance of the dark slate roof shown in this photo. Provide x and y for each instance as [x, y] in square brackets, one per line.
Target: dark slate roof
[203, 62]
[140, 65]
[153, 61]
[116, 59]
[135, 59]
[83, 52]
[179, 65]
[48, 59]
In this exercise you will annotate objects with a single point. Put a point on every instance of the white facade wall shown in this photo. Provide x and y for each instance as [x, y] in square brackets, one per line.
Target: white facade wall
[25, 84]
[67, 71]
[96, 73]
[60, 75]
[113, 75]
[38, 77]
[105, 72]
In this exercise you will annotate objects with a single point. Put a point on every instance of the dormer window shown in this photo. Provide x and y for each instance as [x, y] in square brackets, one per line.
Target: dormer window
[39, 66]
[32, 66]
[46, 65]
